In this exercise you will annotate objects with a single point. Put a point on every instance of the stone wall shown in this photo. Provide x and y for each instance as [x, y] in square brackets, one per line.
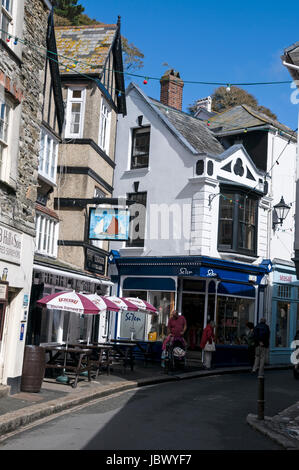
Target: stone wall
[25, 77]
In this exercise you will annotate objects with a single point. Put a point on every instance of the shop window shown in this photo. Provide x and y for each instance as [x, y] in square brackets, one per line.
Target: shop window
[140, 148]
[238, 223]
[284, 291]
[232, 315]
[297, 319]
[282, 325]
[164, 303]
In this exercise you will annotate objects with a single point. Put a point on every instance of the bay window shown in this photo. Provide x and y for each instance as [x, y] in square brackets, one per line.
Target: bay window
[237, 230]
[48, 155]
[46, 235]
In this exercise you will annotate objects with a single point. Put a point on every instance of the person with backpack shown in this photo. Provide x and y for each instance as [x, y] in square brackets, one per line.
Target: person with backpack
[261, 334]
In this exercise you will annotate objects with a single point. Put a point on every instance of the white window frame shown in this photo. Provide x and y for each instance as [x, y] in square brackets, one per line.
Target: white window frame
[105, 125]
[47, 229]
[6, 112]
[70, 101]
[7, 14]
[48, 156]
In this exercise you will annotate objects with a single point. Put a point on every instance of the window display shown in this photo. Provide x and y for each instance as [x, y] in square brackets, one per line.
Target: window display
[232, 315]
[164, 303]
[282, 325]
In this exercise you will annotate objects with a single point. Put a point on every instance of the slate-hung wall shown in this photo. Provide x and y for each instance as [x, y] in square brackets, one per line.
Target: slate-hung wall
[21, 74]
[21, 97]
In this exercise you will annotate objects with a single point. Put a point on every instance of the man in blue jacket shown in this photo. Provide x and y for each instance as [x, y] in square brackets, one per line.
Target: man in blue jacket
[261, 337]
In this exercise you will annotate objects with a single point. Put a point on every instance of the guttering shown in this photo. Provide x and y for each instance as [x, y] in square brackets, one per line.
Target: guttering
[268, 127]
[291, 66]
[80, 277]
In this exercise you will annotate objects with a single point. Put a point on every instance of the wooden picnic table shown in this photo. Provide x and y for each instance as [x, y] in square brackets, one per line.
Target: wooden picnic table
[146, 351]
[100, 355]
[70, 359]
[123, 349]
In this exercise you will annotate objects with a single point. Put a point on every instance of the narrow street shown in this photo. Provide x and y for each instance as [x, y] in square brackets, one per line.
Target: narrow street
[203, 414]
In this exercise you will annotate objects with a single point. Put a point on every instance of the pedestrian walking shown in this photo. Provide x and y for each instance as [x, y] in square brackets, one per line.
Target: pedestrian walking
[250, 342]
[261, 336]
[207, 344]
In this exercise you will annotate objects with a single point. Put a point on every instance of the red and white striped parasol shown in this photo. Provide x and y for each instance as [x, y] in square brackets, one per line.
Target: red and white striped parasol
[133, 304]
[142, 305]
[103, 303]
[71, 302]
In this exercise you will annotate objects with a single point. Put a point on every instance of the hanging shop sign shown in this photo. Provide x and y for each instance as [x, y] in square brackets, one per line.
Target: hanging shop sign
[10, 245]
[109, 224]
[95, 262]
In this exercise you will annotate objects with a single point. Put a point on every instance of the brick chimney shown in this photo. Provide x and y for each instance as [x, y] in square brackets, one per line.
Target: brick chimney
[172, 89]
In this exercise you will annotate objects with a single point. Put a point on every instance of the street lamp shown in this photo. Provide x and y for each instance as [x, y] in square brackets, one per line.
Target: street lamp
[281, 210]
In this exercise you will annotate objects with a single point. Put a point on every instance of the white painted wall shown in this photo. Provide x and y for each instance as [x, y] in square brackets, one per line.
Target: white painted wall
[171, 180]
[283, 183]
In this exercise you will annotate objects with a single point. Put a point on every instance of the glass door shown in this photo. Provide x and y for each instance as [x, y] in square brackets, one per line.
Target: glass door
[193, 307]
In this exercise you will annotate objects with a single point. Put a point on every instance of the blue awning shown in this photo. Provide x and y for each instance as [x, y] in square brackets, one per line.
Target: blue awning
[233, 288]
[150, 283]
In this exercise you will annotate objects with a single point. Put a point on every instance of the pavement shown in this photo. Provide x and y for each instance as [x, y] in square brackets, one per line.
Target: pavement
[21, 410]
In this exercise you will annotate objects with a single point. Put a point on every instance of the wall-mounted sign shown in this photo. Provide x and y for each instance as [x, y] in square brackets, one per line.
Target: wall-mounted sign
[284, 278]
[10, 245]
[109, 224]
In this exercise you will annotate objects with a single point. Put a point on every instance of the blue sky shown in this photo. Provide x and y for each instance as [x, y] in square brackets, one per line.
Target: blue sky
[210, 41]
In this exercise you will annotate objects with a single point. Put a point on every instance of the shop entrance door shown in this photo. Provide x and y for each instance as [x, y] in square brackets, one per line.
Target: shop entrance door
[193, 306]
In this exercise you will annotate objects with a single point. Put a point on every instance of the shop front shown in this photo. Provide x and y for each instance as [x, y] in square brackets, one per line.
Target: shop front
[51, 326]
[285, 313]
[202, 289]
[16, 260]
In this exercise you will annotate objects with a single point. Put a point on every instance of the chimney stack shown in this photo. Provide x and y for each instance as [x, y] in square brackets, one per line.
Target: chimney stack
[172, 89]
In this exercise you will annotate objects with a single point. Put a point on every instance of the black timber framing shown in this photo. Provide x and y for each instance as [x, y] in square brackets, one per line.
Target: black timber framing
[68, 202]
[55, 74]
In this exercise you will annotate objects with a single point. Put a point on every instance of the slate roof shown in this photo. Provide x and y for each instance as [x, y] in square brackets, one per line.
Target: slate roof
[244, 117]
[89, 44]
[192, 129]
[291, 55]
